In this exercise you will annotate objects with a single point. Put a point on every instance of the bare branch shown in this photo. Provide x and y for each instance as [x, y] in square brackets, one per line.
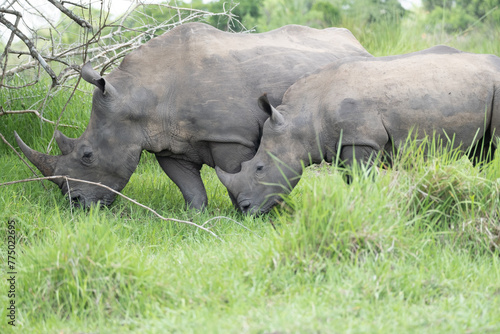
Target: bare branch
[33, 51]
[7, 112]
[73, 4]
[71, 15]
[7, 48]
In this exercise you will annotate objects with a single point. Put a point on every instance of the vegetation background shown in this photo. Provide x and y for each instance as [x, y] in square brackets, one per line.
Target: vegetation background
[415, 249]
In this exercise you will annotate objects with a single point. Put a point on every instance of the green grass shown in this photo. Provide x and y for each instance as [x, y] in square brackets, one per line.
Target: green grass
[415, 249]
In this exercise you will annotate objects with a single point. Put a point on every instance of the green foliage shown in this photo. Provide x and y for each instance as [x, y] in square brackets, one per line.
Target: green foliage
[331, 14]
[375, 10]
[458, 15]
[327, 13]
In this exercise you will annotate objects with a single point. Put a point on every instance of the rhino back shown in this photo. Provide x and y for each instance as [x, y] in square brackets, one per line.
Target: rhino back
[214, 60]
[367, 99]
[206, 82]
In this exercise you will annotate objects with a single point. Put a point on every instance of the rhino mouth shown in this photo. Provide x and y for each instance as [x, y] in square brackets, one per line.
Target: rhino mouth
[246, 206]
[76, 199]
[79, 200]
[270, 203]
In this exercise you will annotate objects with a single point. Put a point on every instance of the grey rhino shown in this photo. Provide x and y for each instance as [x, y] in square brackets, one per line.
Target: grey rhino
[361, 107]
[190, 97]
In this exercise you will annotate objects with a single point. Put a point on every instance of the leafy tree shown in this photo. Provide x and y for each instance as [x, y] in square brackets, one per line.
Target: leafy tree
[369, 11]
[457, 15]
[330, 14]
[327, 13]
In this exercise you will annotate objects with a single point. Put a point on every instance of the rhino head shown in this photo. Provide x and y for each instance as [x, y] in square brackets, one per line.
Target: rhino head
[107, 152]
[271, 173]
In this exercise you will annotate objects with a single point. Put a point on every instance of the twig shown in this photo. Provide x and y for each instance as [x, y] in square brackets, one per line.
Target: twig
[7, 112]
[71, 15]
[74, 4]
[234, 221]
[33, 51]
[7, 48]
[66, 178]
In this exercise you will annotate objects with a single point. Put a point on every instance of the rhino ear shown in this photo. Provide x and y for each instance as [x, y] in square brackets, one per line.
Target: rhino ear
[274, 115]
[92, 76]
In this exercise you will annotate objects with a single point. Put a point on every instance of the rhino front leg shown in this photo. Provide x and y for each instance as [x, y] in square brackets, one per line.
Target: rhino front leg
[362, 154]
[186, 175]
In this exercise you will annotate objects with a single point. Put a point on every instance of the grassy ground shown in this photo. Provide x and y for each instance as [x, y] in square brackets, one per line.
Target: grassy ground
[415, 249]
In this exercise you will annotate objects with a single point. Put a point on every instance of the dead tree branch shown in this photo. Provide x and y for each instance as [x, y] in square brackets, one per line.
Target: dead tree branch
[83, 23]
[31, 47]
[17, 112]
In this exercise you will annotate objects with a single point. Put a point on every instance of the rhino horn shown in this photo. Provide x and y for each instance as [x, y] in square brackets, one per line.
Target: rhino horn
[224, 177]
[44, 162]
[66, 145]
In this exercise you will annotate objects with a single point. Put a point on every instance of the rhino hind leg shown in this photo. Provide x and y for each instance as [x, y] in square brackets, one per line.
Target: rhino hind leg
[186, 176]
[483, 151]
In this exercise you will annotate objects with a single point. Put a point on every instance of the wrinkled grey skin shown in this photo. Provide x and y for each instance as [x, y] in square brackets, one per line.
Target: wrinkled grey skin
[189, 97]
[360, 107]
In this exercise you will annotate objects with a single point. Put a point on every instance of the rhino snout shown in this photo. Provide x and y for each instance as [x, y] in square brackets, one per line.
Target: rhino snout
[78, 201]
[245, 205]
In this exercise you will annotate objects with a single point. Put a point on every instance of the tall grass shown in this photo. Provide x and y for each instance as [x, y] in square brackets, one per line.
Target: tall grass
[413, 249]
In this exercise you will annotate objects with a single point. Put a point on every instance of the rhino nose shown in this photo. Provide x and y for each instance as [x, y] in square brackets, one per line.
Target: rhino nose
[245, 205]
[76, 201]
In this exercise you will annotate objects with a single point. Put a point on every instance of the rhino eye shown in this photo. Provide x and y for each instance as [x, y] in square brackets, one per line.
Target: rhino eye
[260, 168]
[87, 158]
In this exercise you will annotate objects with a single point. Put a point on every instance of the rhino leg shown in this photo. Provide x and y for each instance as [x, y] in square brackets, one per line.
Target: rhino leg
[364, 155]
[186, 175]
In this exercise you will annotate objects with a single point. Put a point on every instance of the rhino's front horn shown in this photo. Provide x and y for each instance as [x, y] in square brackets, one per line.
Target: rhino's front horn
[44, 162]
[224, 177]
[66, 145]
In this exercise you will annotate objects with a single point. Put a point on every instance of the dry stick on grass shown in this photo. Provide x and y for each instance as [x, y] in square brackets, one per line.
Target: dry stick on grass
[66, 178]
[230, 219]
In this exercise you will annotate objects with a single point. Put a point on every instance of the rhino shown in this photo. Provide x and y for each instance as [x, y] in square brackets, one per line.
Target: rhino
[188, 96]
[356, 108]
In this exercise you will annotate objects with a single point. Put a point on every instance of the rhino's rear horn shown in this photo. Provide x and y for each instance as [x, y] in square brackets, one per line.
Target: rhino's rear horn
[44, 162]
[66, 145]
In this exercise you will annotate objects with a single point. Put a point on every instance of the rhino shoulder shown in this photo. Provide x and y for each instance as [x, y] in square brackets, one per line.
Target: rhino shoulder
[439, 49]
